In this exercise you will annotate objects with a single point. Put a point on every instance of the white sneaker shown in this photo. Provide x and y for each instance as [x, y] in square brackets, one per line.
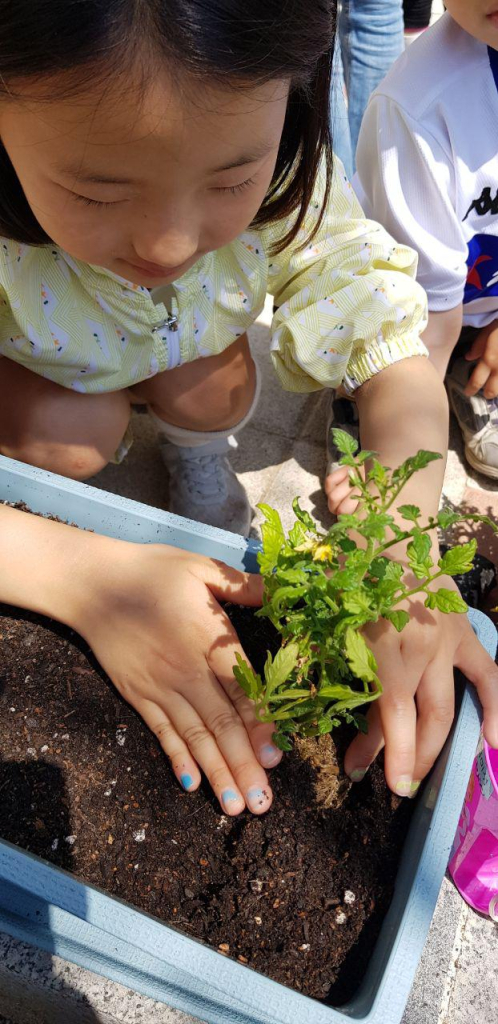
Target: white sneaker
[477, 418]
[203, 485]
[343, 414]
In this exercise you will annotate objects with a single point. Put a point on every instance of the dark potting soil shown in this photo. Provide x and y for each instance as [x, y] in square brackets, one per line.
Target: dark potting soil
[299, 894]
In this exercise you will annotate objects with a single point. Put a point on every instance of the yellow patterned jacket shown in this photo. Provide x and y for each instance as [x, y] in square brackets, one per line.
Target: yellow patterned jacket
[348, 306]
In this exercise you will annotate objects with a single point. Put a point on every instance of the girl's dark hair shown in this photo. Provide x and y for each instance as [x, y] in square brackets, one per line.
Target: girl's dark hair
[242, 42]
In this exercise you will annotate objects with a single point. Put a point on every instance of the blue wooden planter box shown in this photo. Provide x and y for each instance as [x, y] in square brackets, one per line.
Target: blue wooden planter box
[51, 909]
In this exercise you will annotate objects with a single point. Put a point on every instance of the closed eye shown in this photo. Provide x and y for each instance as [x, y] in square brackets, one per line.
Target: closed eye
[236, 188]
[94, 202]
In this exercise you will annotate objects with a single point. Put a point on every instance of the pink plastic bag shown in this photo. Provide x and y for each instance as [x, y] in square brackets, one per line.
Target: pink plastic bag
[474, 857]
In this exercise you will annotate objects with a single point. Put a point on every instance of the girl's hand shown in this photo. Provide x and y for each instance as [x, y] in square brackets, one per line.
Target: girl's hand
[485, 374]
[155, 625]
[341, 497]
[413, 716]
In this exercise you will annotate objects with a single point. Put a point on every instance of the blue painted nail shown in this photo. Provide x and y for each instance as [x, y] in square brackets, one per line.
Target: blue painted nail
[269, 755]
[258, 799]
[186, 780]
[229, 797]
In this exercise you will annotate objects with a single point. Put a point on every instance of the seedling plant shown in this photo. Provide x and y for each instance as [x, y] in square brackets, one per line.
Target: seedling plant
[322, 588]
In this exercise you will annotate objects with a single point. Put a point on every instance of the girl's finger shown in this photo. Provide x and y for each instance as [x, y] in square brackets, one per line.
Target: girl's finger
[398, 719]
[232, 740]
[365, 747]
[491, 387]
[349, 505]
[436, 709]
[221, 660]
[335, 478]
[477, 379]
[477, 348]
[341, 494]
[480, 669]
[228, 584]
[206, 750]
[182, 762]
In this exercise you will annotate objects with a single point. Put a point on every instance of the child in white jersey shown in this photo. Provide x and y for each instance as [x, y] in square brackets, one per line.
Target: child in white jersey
[428, 171]
[157, 149]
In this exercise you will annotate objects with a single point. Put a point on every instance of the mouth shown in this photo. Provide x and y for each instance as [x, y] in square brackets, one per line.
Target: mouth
[155, 270]
[493, 18]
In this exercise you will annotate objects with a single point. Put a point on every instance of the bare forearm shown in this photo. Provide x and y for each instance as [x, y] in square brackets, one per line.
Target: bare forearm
[402, 409]
[46, 566]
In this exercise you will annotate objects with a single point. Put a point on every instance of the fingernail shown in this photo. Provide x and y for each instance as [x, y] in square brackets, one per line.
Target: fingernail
[358, 774]
[186, 780]
[229, 798]
[269, 755]
[414, 788]
[403, 786]
[258, 799]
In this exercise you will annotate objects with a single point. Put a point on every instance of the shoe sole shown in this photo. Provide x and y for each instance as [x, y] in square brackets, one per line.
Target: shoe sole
[483, 469]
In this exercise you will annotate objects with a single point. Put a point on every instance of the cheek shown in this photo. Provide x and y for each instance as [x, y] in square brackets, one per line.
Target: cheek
[83, 233]
[233, 215]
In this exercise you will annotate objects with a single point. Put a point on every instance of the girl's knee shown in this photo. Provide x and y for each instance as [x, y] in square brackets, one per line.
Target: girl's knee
[213, 393]
[71, 434]
[76, 462]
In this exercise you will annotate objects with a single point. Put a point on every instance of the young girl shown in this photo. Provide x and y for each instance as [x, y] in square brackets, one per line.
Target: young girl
[164, 163]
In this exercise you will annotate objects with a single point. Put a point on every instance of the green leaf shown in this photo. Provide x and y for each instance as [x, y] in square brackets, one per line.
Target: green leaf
[346, 444]
[446, 601]
[282, 741]
[394, 571]
[459, 559]
[249, 681]
[419, 558]
[364, 456]
[297, 534]
[359, 657]
[447, 518]
[361, 722]
[346, 544]
[410, 512]
[398, 618]
[374, 525]
[303, 516]
[413, 465]
[273, 536]
[286, 597]
[279, 668]
[378, 474]
[292, 575]
[378, 567]
[326, 725]
[357, 601]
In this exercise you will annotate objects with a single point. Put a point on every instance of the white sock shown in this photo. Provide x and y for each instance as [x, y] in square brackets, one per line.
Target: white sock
[185, 438]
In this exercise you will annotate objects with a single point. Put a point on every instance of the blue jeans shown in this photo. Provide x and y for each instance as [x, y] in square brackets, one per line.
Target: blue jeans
[370, 39]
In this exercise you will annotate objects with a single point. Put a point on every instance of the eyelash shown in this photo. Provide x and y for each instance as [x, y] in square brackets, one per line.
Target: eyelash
[233, 189]
[90, 202]
[237, 188]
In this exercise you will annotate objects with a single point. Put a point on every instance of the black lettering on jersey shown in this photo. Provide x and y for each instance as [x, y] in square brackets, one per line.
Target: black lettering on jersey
[484, 204]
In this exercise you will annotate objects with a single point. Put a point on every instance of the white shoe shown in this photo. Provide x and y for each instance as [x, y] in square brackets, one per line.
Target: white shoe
[477, 418]
[203, 485]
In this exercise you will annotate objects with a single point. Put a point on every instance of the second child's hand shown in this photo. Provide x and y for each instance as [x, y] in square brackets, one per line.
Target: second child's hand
[484, 349]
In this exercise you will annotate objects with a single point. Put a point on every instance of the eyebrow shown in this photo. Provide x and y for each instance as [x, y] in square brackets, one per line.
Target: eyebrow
[109, 179]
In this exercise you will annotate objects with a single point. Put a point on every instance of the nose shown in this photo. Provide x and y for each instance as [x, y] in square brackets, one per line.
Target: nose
[166, 243]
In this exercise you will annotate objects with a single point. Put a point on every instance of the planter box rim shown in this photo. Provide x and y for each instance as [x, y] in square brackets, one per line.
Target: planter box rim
[50, 908]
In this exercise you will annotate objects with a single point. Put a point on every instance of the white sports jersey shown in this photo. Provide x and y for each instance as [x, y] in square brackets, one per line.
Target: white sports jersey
[428, 166]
